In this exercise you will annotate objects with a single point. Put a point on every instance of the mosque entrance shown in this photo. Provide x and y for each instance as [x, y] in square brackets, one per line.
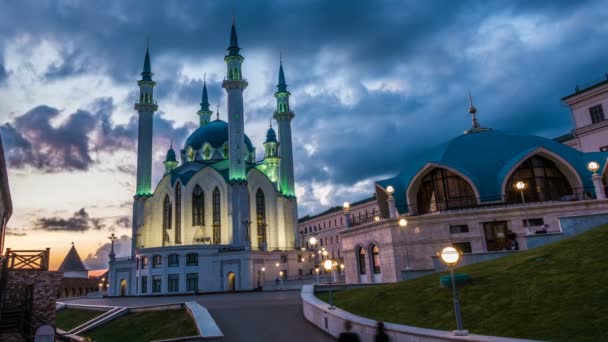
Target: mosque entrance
[123, 287]
[231, 282]
[496, 235]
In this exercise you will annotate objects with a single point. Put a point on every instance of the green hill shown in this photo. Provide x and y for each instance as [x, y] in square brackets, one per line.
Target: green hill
[558, 292]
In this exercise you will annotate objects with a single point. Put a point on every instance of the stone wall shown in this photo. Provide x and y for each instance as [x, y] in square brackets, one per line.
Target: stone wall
[45, 285]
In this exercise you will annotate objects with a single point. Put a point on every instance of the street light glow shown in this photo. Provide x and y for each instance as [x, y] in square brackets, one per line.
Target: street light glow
[593, 166]
[521, 186]
[328, 264]
[390, 190]
[450, 256]
[312, 241]
[263, 269]
[403, 222]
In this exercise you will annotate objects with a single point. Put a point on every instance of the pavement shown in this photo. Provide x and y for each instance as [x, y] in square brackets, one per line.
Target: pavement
[247, 316]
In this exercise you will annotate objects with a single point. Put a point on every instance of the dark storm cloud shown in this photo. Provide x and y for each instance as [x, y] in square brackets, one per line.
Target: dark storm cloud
[80, 221]
[518, 58]
[100, 258]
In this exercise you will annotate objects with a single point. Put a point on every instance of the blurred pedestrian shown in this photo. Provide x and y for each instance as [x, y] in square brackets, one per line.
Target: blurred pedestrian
[381, 335]
[347, 335]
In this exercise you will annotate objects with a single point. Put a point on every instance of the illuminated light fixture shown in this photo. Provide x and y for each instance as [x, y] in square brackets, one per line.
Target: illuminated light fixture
[346, 207]
[263, 269]
[403, 222]
[312, 241]
[450, 256]
[519, 185]
[390, 190]
[376, 218]
[328, 265]
[593, 166]
[277, 264]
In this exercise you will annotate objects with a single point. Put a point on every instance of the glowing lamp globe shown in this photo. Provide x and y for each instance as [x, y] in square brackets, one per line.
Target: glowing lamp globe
[403, 222]
[263, 269]
[346, 206]
[450, 256]
[277, 264]
[593, 166]
[328, 264]
[520, 185]
[390, 190]
[324, 253]
[312, 241]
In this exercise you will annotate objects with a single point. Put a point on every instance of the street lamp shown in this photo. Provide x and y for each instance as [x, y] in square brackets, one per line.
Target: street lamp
[450, 256]
[390, 190]
[521, 186]
[329, 265]
[598, 185]
[403, 224]
[316, 275]
[593, 166]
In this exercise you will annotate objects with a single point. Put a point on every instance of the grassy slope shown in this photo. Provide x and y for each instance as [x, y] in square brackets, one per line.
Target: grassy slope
[557, 292]
[145, 326]
[68, 319]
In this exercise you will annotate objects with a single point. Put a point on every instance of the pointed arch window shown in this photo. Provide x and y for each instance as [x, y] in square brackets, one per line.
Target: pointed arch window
[375, 259]
[217, 223]
[166, 218]
[442, 189]
[178, 213]
[198, 206]
[260, 209]
[544, 179]
[361, 259]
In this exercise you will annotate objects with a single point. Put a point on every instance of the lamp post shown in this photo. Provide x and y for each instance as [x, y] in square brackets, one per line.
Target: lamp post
[281, 278]
[403, 224]
[521, 186]
[597, 180]
[346, 209]
[312, 242]
[316, 275]
[392, 209]
[263, 275]
[329, 265]
[450, 256]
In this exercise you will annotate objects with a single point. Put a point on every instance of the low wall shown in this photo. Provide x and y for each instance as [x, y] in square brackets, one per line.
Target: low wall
[332, 321]
[471, 258]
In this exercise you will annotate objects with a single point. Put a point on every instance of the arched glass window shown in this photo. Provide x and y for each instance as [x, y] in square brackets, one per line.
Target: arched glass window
[361, 263]
[178, 213]
[545, 182]
[376, 259]
[217, 223]
[442, 189]
[166, 218]
[198, 206]
[260, 210]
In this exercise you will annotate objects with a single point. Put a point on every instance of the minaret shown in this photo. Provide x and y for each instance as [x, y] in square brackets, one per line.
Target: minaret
[271, 155]
[170, 162]
[146, 106]
[204, 113]
[237, 176]
[283, 115]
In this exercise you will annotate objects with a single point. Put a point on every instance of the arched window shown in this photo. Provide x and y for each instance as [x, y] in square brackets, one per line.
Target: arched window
[260, 210]
[545, 182]
[217, 223]
[442, 189]
[361, 263]
[376, 259]
[198, 206]
[166, 218]
[178, 213]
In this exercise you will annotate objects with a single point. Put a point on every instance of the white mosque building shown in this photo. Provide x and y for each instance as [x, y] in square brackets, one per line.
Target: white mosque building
[219, 220]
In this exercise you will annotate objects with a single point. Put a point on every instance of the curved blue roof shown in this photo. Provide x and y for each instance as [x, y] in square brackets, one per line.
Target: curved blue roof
[271, 135]
[215, 133]
[171, 155]
[486, 157]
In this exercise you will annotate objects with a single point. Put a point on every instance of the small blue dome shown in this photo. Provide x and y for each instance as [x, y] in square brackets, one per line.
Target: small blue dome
[171, 155]
[215, 134]
[271, 135]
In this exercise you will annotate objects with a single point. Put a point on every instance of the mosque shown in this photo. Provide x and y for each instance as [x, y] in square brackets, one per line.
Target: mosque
[218, 220]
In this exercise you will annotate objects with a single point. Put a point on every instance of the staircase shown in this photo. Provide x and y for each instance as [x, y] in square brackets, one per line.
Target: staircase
[105, 317]
[11, 321]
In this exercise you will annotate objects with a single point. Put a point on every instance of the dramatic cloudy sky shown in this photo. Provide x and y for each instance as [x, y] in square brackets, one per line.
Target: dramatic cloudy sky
[373, 82]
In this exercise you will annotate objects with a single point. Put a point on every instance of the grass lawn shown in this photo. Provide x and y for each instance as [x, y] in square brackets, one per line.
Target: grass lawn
[145, 326]
[557, 292]
[68, 319]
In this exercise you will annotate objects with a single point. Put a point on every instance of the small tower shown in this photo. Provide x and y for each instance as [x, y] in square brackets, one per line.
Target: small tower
[284, 115]
[271, 155]
[170, 162]
[204, 113]
[72, 266]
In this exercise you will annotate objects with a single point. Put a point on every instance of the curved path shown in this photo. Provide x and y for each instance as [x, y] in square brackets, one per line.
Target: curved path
[247, 316]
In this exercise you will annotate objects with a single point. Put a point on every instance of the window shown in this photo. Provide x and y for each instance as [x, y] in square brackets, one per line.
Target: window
[597, 113]
[166, 218]
[459, 228]
[157, 261]
[464, 247]
[534, 222]
[156, 283]
[545, 181]
[191, 281]
[341, 220]
[198, 206]
[442, 189]
[144, 262]
[260, 210]
[173, 260]
[178, 213]
[283, 258]
[376, 259]
[336, 239]
[144, 284]
[192, 259]
[217, 237]
[331, 240]
[300, 259]
[173, 283]
[361, 263]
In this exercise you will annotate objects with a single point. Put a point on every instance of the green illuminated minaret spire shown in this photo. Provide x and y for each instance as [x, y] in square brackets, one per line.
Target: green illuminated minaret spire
[284, 115]
[204, 113]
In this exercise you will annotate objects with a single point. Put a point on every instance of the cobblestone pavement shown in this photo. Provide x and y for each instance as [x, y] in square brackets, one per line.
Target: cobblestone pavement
[248, 316]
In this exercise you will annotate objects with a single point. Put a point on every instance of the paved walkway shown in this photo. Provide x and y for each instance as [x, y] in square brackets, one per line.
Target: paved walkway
[249, 316]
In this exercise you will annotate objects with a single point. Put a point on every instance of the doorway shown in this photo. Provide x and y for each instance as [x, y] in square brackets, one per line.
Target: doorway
[231, 282]
[496, 235]
[123, 287]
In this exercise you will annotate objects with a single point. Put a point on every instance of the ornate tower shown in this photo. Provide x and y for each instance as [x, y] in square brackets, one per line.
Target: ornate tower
[238, 192]
[146, 106]
[170, 162]
[204, 113]
[283, 115]
[271, 155]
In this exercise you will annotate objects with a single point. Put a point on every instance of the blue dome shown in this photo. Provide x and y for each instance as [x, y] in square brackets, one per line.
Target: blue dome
[271, 135]
[486, 157]
[215, 134]
[171, 155]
